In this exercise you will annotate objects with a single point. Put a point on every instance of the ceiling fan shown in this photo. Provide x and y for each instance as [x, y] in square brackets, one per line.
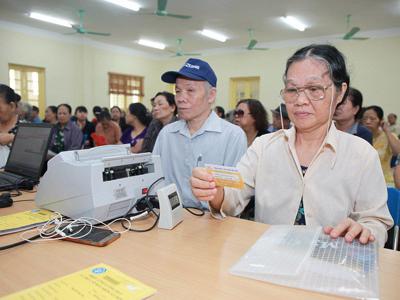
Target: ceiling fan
[82, 30]
[180, 52]
[161, 11]
[350, 34]
[253, 42]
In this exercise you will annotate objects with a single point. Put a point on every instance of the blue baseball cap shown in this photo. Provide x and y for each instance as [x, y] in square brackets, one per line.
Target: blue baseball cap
[195, 69]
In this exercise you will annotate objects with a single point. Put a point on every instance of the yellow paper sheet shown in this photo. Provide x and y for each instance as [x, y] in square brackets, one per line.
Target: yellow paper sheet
[98, 282]
[24, 220]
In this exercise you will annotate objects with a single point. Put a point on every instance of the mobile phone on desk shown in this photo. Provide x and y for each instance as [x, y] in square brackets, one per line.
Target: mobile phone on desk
[88, 235]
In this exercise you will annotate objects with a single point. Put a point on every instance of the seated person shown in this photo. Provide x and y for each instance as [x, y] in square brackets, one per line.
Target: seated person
[96, 113]
[117, 117]
[164, 112]
[311, 174]
[349, 112]
[200, 136]
[383, 140]
[85, 126]
[251, 116]
[220, 111]
[8, 120]
[279, 119]
[35, 115]
[108, 129]
[65, 134]
[138, 118]
[50, 115]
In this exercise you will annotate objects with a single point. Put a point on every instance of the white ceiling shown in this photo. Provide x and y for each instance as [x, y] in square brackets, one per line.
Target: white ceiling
[325, 18]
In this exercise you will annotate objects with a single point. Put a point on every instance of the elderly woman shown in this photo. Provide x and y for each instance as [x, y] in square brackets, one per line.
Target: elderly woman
[312, 173]
[50, 115]
[164, 112]
[66, 135]
[384, 141]
[8, 120]
[251, 116]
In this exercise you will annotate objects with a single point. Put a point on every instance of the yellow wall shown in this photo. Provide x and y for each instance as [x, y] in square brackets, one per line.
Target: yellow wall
[373, 64]
[77, 73]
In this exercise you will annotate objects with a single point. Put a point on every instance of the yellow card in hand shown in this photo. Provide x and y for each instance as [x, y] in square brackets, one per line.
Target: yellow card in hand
[226, 176]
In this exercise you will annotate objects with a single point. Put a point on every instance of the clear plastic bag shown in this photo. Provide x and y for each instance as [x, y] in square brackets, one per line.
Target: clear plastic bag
[306, 258]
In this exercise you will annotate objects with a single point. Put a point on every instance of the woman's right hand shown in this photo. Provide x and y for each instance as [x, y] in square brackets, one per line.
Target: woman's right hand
[203, 184]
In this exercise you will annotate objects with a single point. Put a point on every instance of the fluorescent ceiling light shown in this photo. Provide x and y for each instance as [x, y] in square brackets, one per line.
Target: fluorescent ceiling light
[213, 35]
[50, 19]
[151, 44]
[295, 23]
[126, 4]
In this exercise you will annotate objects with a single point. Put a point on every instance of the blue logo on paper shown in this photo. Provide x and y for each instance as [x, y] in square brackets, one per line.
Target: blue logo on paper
[99, 270]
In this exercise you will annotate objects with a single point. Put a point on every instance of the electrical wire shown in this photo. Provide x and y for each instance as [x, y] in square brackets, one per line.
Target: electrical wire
[189, 209]
[60, 228]
[149, 209]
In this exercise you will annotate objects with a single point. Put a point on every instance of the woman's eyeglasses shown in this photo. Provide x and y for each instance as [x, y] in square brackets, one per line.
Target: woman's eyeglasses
[239, 113]
[312, 92]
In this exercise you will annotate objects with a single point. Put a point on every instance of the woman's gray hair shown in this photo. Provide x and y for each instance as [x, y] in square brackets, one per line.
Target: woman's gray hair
[331, 57]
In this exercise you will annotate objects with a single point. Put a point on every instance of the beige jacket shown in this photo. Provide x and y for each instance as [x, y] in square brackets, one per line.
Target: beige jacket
[344, 180]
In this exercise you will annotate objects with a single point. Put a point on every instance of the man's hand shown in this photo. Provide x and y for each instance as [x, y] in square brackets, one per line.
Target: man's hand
[351, 230]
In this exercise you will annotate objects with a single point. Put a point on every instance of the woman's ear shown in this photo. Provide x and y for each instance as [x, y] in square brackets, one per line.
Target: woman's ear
[13, 105]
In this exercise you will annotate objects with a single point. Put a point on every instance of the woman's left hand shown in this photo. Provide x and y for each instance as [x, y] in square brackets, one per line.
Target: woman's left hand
[6, 138]
[351, 230]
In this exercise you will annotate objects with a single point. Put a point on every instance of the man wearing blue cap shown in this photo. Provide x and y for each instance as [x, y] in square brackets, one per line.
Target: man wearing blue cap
[200, 136]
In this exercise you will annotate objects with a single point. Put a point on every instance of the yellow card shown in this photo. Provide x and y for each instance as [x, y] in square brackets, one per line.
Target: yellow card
[98, 282]
[24, 220]
[226, 176]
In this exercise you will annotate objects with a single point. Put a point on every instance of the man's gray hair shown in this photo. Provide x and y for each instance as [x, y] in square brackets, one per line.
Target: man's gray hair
[207, 87]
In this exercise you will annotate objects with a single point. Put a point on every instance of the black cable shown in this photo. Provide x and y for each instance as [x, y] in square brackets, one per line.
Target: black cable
[149, 209]
[189, 209]
[16, 194]
[151, 185]
[9, 246]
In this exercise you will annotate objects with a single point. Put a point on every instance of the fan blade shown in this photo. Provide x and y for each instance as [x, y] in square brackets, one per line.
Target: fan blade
[352, 32]
[98, 33]
[191, 54]
[79, 28]
[176, 16]
[162, 5]
[263, 49]
[360, 38]
[69, 33]
[251, 44]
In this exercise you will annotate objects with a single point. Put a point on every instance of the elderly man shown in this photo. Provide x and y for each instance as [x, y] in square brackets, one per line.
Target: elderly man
[200, 136]
[348, 113]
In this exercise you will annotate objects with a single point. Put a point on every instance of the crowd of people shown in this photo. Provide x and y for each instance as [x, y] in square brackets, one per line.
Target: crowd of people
[323, 160]
[139, 127]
